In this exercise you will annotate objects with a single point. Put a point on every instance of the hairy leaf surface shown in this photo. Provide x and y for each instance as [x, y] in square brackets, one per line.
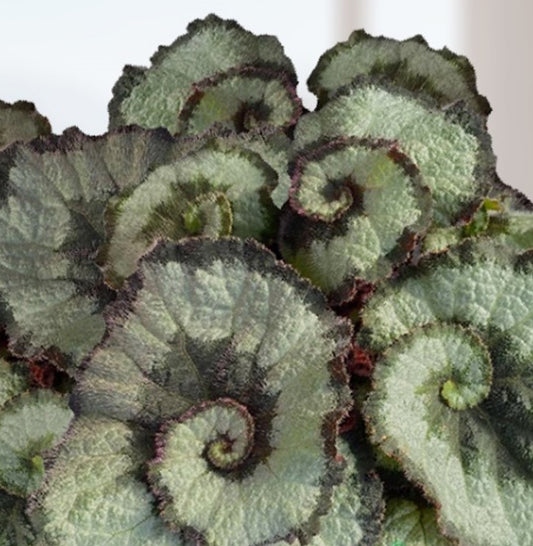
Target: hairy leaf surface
[450, 147]
[15, 529]
[461, 430]
[94, 494]
[410, 64]
[207, 321]
[53, 195]
[244, 99]
[217, 189]
[29, 425]
[408, 524]
[212, 47]
[357, 207]
[13, 380]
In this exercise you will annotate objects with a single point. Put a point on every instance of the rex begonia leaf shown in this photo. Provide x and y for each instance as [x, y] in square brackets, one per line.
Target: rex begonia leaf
[219, 345]
[452, 392]
[15, 529]
[213, 49]
[244, 99]
[30, 424]
[272, 145]
[93, 494]
[220, 188]
[53, 194]
[410, 64]
[357, 207]
[450, 147]
[354, 516]
[408, 524]
[20, 121]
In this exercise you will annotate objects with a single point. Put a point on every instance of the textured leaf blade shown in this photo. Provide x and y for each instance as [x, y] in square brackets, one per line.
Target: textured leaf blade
[407, 524]
[153, 97]
[356, 506]
[450, 147]
[357, 208]
[20, 121]
[168, 205]
[15, 529]
[51, 225]
[411, 64]
[210, 319]
[92, 494]
[30, 425]
[245, 99]
[506, 216]
[14, 380]
[474, 460]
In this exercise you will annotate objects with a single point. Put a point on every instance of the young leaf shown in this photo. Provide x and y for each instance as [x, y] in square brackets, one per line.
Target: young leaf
[462, 430]
[408, 524]
[506, 216]
[357, 207]
[20, 121]
[52, 201]
[29, 425]
[410, 64]
[199, 72]
[450, 147]
[217, 189]
[209, 337]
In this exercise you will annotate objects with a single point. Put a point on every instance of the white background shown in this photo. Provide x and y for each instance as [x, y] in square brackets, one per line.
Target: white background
[65, 56]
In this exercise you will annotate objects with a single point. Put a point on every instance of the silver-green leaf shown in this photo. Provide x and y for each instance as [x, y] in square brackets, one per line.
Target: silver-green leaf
[154, 97]
[452, 390]
[207, 338]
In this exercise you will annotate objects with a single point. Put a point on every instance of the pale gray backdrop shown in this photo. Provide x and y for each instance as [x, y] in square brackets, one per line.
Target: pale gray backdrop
[66, 55]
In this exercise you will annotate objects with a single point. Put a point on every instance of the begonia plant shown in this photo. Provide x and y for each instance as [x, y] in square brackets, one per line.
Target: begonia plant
[229, 321]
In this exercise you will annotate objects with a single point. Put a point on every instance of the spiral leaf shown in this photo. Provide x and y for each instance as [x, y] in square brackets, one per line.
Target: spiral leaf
[213, 49]
[217, 189]
[410, 64]
[204, 321]
[244, 99]
[463, 432]
[52, 200]
[274, 148]
[20, 121]
[357, 207]
[450, 147]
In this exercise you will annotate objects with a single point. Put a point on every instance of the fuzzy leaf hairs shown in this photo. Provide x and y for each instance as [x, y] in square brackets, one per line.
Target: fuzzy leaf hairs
[229, 321]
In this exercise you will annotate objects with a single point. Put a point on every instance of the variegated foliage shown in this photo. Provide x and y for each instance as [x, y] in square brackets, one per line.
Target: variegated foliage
[190, 301]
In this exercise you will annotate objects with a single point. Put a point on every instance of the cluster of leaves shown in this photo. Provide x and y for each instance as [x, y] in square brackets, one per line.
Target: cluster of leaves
[231, 321]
